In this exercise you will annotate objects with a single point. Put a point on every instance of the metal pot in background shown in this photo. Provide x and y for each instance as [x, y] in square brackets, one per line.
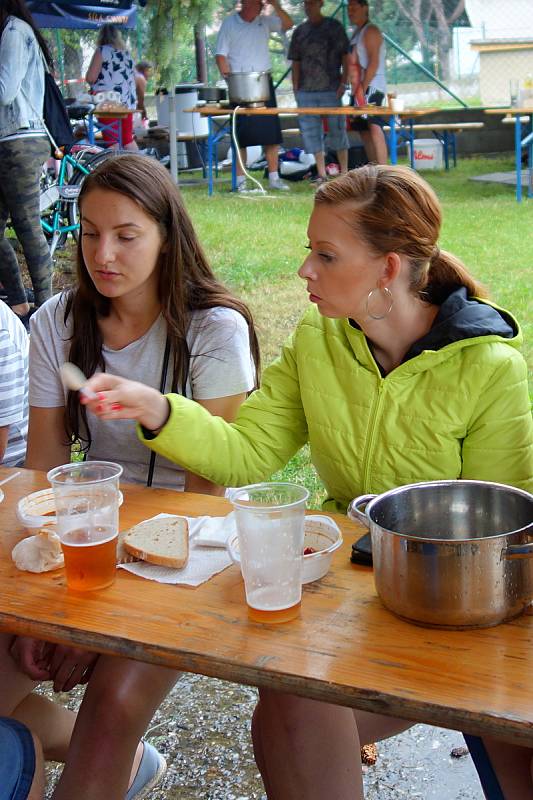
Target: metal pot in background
[451, 554]
[212, 94]
[248, 88]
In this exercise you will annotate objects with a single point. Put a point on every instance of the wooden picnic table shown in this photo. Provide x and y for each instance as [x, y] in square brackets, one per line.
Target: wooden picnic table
[345, 648]
[518, 113]
[219, 117]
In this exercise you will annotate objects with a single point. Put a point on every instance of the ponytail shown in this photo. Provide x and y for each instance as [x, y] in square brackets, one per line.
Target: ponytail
[447, 272]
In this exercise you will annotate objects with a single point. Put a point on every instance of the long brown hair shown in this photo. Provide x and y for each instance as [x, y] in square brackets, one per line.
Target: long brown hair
[186, 281]
[18, 8]
[395, 210]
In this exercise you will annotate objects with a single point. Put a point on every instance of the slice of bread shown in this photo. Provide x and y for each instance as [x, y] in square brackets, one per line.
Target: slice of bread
[160, 541]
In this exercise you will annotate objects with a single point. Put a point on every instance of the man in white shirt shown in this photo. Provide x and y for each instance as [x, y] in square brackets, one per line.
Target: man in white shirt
[242, 46]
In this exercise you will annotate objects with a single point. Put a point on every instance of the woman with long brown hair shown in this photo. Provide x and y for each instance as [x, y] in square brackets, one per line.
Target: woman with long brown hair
[401, 372]
[148, 305]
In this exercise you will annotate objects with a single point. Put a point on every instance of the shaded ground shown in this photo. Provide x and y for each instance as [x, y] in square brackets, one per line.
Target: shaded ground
[203, 730]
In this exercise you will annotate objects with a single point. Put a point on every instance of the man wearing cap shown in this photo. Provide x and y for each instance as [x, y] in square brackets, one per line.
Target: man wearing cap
[367, 49]
[242, 46]
[319, 55]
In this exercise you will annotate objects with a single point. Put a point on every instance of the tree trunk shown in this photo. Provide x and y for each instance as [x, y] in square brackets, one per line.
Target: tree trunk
[199, 46]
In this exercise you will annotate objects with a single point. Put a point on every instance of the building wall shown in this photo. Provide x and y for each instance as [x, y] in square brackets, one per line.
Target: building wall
[497, 68]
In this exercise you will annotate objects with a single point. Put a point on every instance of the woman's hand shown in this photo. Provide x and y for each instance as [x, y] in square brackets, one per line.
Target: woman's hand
[118, 398]
[32, 656]
[70, 667]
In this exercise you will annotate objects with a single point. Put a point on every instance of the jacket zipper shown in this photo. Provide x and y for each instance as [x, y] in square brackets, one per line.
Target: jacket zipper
[376, 414]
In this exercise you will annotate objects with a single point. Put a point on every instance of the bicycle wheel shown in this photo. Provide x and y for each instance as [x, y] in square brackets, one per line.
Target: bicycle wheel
[90, 162]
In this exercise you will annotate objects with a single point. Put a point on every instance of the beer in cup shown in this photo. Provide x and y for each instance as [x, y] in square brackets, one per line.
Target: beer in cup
[270, 526]
[87, 500]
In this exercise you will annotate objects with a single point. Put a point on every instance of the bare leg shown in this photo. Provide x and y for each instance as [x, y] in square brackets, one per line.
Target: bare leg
[288, 733]
[271, 153]
[342, 155]
[242, 151]
[513, 766]
[366, 138]
[374, 727]
[119, 702]
[51, 722]
[379, 144]
[37, 786]
[320, 164]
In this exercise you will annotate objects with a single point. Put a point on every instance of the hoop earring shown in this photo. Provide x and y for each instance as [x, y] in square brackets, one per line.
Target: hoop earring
[390, 301]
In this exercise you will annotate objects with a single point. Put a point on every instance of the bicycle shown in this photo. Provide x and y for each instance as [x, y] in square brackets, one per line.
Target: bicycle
[59, 194]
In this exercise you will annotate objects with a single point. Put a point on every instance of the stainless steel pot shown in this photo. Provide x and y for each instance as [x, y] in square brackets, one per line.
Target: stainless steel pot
[452, 554]
[245, 88]
[211, 94]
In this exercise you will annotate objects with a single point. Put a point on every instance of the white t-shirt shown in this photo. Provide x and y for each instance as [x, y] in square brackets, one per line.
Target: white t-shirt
[220, 366]
[245, 44]
[13, 385]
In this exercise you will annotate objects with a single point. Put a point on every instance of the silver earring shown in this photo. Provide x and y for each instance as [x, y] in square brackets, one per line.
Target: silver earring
[390, 300]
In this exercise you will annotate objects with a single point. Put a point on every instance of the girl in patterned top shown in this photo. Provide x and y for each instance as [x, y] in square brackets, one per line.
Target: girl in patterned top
[111, 69]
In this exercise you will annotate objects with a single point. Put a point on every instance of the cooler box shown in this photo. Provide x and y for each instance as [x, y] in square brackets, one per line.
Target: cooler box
[427, 154]
[186, 123]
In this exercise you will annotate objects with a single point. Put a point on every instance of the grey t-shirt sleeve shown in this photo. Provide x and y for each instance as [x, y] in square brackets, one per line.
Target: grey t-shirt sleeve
[221, 363]
[49, 345]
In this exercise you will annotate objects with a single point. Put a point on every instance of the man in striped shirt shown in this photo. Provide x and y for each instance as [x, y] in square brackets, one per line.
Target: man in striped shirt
[14, 345]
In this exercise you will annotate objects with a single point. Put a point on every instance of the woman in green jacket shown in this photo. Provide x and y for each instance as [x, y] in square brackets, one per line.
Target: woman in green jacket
[400, 373]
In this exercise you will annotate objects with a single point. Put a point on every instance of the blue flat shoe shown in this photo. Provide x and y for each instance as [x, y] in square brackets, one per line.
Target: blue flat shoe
[151, 769]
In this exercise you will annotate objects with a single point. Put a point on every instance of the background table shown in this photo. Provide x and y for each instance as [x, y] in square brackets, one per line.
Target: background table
[220, 119]
[519, 143]
[345, 647]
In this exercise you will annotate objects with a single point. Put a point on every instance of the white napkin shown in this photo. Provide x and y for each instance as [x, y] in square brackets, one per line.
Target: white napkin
[207, 553]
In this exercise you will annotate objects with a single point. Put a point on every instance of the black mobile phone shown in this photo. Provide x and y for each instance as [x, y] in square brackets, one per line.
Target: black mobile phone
[362, 551]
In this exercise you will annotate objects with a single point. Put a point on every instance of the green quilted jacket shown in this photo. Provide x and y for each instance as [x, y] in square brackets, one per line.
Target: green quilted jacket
[460, 410]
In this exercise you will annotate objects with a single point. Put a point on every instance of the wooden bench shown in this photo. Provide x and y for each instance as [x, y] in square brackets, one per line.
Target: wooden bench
[445, 132]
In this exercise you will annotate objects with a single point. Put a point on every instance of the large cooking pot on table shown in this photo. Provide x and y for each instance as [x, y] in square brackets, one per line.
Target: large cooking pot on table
[248, 87]
[451, 554]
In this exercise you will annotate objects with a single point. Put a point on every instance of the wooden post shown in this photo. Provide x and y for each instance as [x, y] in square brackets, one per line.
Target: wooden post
[199, 47]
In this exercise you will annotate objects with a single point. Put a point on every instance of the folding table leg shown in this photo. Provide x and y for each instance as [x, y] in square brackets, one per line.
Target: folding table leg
[487, 777]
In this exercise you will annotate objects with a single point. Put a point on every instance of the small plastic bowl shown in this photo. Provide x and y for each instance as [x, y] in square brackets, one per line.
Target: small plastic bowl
[321, 533]
[324, 536]
[37, 509]
[31, 510]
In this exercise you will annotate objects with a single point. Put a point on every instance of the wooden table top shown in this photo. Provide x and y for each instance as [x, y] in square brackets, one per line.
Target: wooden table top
[345, 647]
[345, 111]
[512, 110]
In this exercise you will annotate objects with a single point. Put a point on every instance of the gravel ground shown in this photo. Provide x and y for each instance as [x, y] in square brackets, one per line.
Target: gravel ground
[203, 729]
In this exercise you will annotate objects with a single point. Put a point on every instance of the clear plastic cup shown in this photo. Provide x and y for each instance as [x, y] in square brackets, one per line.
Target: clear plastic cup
[87, 501]
[270, 526]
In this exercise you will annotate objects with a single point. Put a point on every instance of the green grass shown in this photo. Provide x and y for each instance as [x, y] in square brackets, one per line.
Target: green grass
[256, 246]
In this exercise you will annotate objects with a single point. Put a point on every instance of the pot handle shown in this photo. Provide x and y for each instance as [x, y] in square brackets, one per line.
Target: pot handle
[514, 551]
[354, 512]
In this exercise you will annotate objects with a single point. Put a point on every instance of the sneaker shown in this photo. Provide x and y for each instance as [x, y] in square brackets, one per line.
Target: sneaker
[244, 187]
[278, 185]
[151, 769]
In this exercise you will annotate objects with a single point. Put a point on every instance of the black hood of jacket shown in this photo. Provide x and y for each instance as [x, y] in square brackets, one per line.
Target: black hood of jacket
[462, 318]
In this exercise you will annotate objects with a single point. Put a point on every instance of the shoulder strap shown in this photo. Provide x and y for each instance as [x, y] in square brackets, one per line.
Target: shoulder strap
[162, 386]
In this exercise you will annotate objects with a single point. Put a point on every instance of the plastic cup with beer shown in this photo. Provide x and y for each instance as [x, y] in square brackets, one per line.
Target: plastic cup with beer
[87, 500]
[270, 527]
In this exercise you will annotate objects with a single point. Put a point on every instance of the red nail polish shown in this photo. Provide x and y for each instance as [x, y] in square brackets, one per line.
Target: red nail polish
[116, 406]
[100, 396]
[100, 407]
